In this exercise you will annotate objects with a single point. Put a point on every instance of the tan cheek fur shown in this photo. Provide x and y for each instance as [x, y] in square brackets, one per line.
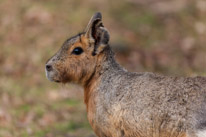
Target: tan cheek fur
[77, 68]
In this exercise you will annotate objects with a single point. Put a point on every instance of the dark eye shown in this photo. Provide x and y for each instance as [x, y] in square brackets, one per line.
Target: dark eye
[77, 51]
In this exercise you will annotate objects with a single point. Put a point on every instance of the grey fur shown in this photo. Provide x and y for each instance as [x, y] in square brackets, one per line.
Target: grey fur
[148, 103]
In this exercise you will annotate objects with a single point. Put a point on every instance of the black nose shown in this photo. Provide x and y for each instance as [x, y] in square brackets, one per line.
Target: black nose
[48, 67]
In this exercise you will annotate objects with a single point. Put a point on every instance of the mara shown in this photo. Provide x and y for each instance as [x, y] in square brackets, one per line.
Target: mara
[128, 104]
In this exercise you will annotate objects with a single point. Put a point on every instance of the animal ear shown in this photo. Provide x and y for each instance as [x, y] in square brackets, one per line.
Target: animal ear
[95, 30]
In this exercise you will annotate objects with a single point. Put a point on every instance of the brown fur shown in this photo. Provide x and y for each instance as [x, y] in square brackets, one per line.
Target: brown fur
[125, 104]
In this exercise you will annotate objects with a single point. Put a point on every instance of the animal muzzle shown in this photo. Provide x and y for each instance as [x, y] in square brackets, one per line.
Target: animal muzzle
[51, 73]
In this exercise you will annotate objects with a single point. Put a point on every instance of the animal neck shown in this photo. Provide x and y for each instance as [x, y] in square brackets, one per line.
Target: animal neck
[105, 65]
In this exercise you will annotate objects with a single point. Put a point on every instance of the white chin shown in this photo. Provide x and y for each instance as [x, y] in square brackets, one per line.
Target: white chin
[48, 75]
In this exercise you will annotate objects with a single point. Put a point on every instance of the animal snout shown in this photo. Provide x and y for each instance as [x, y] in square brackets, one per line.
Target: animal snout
[49, 67]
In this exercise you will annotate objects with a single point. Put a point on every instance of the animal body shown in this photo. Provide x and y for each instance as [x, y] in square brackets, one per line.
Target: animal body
[127, 104]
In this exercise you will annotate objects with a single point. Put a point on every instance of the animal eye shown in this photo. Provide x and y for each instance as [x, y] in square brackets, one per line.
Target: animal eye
[77, 51]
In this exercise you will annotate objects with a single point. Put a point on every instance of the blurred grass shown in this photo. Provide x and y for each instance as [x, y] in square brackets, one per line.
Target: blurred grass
[166, 37]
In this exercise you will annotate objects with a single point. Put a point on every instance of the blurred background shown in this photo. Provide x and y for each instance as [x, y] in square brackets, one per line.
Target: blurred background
[163, 36]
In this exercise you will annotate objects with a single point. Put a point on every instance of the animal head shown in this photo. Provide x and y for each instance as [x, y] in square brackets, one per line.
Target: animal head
[77, 59]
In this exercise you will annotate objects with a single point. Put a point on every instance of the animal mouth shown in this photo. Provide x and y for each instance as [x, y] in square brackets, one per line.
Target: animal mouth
[58, 81]
[50, 76]
[56, 76]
